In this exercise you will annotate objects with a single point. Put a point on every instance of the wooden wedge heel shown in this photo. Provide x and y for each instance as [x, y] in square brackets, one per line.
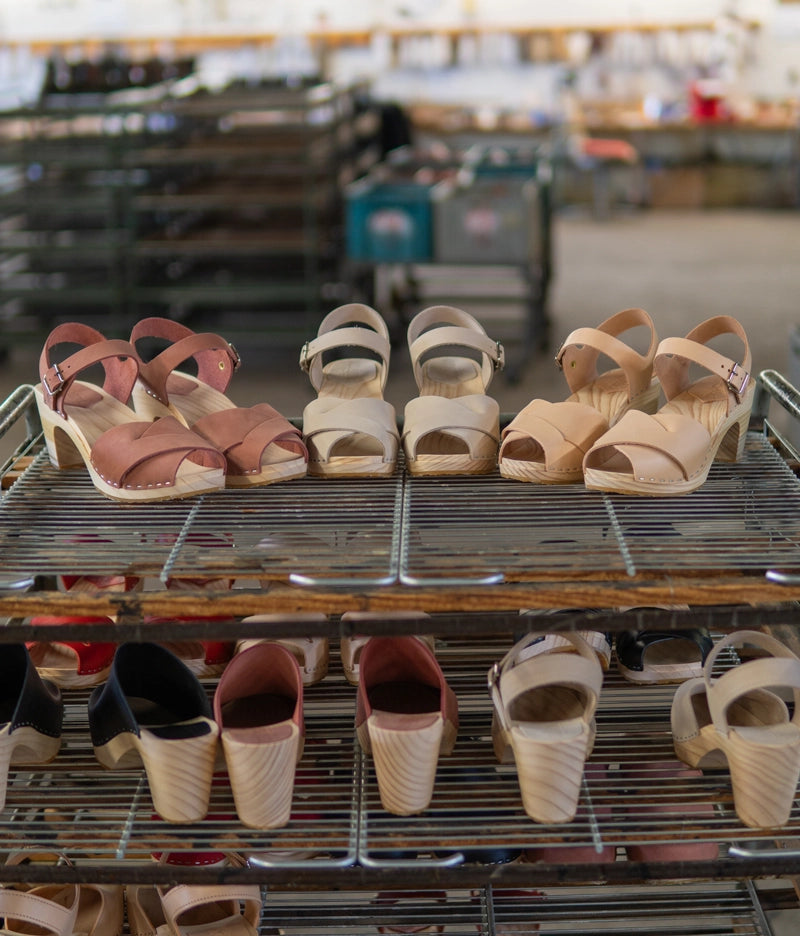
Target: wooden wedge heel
[740, 720]
[128, 459]
[704, 419]
[406, 716]
[544, 706]
[546, 442]
[152, 711]
[258, 706]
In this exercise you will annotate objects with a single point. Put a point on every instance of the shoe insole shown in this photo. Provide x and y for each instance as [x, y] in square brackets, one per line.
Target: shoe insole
[406, 698]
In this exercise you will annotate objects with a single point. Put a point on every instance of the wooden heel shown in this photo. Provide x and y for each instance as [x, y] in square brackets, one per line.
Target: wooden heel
[764, 784]
[406, 716]
[262, 779]
[405, 760]
[25, 745]
[550, 775]
[179, 771]
[731, 448]
[61, 450]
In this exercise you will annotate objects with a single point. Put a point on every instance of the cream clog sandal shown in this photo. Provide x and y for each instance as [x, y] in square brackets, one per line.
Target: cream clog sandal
[195, 909]
[704, 419]
[350, 430]
[544, 707]
[546, 442]
[60, 909]
[452, 427]
[739, 721]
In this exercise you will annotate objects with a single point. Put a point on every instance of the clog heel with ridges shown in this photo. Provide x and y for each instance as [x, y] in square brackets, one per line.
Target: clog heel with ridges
[153, 711]
[406, 716]
[258, 706]
[179, 772]
[550, 772]
[741, 721]
[544, 704]
[406, 758]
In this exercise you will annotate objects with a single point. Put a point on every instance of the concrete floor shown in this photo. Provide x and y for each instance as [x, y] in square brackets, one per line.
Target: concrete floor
[682, 267]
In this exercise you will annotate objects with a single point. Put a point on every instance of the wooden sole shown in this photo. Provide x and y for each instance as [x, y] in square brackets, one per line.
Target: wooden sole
[23, 746]
[441, 465]
[764, 773]
[352, 466]
[726, 445]
[179, 771]
[406, 759]
[549, 769]
[262, 777]
[69, 445]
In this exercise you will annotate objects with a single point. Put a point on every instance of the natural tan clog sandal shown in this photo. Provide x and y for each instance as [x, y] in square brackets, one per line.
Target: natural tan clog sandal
[452, 427]
[350, 430]
[260, 445]
[312, 653]
[128, 459]
[350, 646]
[195, 909]
[258, 706]
[705, 418]
[59, 909]
[546, 442]
[544, 706]
[406, 716]
[740, 721]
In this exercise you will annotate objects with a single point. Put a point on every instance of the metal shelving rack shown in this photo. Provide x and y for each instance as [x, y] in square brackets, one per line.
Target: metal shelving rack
[730, 552]
[187, 205]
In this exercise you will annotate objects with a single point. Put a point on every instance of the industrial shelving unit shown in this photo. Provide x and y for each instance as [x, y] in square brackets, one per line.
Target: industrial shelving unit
[725, 557]
[187, 205]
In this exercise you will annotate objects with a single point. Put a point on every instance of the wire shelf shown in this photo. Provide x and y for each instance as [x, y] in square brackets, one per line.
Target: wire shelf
[408, 531]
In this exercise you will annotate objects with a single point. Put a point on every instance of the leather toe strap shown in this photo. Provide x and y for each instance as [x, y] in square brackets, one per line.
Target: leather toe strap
[244, 433]
[665, 447]
[149, 454]
[563, 431]
[472, 419]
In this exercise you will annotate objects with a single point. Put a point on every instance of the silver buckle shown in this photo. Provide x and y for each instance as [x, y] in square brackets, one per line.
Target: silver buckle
[54, 391]
[493, 675]
[237, 361]
[743, 378]
[304, 357]
[559, 356]
[500, 360]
